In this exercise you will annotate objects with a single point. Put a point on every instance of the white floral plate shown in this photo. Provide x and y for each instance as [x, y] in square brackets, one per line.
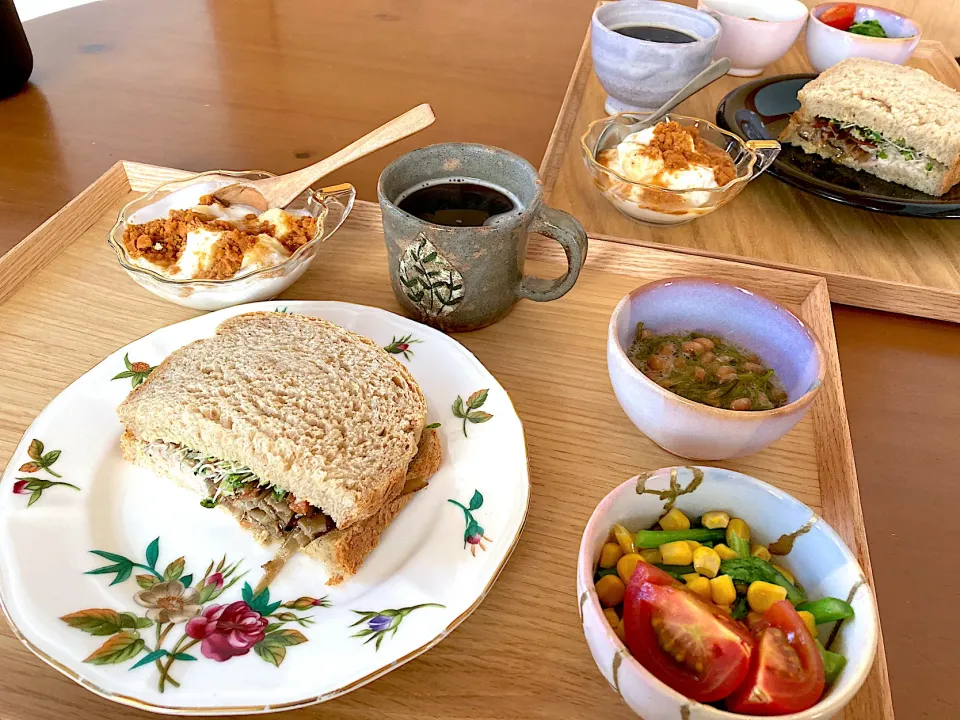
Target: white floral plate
[123, 582]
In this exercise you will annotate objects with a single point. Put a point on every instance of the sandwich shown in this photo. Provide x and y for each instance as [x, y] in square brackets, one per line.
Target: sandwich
[895, 122]
[305, 432]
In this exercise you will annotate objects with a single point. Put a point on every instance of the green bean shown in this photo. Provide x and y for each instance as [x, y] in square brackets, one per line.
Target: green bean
[647, 539]
[827, 609]
[677, 571]
[739, 544]
[833, 663]
[751, 569]
[740, 608]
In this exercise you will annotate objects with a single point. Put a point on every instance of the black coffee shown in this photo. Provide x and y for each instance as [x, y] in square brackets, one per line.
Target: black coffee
[456, 202]
[654, 33]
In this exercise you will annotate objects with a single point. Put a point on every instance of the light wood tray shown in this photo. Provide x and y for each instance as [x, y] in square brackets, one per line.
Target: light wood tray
[65, 304]
[871, 260]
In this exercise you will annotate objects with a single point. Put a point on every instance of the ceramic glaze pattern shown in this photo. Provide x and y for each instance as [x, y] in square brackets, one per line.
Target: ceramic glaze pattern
[464, 278]
[639, 75]
[818, 559]
[692, 430]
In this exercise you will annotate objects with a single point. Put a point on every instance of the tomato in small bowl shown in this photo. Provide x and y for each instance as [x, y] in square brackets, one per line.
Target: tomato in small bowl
[675, 654]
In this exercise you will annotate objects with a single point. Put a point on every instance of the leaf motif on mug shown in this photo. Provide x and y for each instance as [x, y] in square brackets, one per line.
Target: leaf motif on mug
[429, 281]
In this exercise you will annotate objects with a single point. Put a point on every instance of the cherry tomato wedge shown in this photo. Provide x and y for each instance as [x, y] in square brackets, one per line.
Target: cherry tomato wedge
[839, 16]
[786, 673]
[685, 641]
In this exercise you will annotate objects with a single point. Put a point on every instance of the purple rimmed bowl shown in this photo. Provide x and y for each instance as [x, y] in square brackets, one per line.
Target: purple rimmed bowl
[744, 318]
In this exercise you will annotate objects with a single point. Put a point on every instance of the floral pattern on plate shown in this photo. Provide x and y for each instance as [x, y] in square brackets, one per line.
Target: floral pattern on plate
[122, 508]
[39, 460]
[469, 411]
[473, 534]
[223, 630]
[136, 371]
[401, 345]
[381, 622]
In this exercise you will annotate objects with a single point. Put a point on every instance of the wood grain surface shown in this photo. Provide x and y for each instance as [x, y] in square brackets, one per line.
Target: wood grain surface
[814, 462]
[243, 83]
[870, 260]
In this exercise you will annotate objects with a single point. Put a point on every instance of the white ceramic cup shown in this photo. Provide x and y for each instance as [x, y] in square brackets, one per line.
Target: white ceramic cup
[826, 46]
[755, 33]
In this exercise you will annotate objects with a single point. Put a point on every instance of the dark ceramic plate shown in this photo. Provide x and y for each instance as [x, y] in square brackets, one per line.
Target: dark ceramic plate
[759, 111]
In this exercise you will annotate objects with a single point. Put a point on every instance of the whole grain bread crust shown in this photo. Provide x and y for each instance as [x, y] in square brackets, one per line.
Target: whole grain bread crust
[202, 401]
[894, 100]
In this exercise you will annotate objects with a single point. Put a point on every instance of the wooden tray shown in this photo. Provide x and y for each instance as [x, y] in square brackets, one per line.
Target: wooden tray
[65, 304]
[884, 262]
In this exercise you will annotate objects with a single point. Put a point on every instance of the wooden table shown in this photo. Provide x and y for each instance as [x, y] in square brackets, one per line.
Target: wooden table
[243, 83]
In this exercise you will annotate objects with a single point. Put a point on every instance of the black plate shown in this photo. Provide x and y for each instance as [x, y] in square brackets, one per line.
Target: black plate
[760, 110]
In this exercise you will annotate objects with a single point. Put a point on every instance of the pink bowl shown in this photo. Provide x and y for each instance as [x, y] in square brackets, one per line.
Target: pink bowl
[755, 34]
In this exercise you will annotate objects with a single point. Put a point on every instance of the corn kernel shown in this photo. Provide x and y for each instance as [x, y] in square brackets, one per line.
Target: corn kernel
[752, 619]
[675, 520]
[624, 539]
[611, 615]
[627, 564]
[722, 590]
[701, 586]
[739, 527]
[621, 633]
[676, 553]
[761, 595]
[610, 590]
[693, 544]
[724, 552]
[715, 519]
[787, 574]
[609, 554]
[760, 551]
[706, 561]
[687, 577]
[652, 556]
[810, 621]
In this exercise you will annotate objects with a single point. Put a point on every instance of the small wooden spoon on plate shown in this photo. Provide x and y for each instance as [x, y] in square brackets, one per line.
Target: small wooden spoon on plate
[280, 191]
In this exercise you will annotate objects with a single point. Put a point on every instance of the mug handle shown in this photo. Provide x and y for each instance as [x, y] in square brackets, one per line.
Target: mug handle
[565, 229]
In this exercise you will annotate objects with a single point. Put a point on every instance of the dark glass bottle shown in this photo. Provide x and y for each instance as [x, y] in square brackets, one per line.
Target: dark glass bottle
[16, 60]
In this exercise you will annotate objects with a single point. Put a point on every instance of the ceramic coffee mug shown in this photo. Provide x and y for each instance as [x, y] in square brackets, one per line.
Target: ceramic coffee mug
[464, 278]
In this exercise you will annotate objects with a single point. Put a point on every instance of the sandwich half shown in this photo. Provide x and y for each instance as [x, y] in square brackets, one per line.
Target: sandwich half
[305, 432]
[895, 122]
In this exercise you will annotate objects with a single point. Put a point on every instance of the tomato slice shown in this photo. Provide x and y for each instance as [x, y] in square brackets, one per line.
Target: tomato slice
[685, 641]
[786, 673]
[839, 16]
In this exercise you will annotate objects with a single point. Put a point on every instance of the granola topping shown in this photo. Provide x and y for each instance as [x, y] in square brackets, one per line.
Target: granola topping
[197, 244]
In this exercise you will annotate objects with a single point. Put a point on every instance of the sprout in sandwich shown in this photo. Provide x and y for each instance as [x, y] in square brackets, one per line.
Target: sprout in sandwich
[248, 497]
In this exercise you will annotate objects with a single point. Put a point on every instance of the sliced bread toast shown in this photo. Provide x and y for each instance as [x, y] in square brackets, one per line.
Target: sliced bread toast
[322, 412]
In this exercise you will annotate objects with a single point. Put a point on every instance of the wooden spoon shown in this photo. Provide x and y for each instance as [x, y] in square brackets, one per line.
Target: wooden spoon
[278, 192]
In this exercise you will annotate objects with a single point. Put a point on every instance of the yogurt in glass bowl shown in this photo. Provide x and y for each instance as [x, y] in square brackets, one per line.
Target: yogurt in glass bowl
[643, 187]
[268, 266]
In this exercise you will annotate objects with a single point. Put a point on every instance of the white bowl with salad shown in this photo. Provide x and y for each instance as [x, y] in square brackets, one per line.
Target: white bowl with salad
[709, 595]
[837, 31]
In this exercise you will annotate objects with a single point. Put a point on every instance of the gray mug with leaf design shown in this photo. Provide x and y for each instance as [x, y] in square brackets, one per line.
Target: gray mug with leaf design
[464, 278]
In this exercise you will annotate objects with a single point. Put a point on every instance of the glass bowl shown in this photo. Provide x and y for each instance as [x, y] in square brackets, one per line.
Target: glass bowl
[654, 205]
[329, 206]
